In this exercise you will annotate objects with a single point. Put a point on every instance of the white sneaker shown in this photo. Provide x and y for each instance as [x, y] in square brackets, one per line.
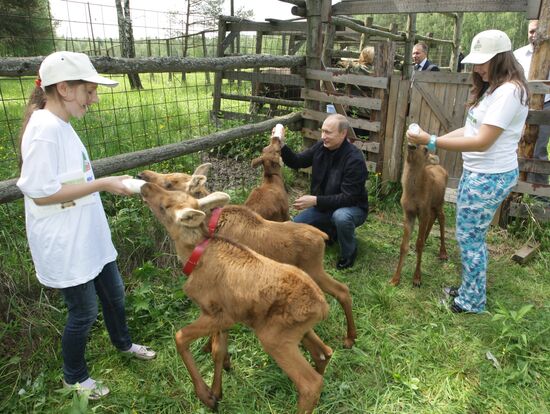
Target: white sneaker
[141, 352]
[94, 389]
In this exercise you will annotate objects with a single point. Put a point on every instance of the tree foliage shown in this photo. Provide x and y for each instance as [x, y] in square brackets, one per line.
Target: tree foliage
[27, 28]
[442, 25]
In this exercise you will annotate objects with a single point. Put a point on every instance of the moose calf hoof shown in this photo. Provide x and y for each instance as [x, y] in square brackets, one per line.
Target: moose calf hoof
[227, 362]
[394, 282]
[349, 342]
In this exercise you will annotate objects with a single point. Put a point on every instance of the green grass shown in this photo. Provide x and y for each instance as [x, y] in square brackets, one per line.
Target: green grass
[411, 355]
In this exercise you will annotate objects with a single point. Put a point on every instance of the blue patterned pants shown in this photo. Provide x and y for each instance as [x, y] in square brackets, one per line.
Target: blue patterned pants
[479, 196]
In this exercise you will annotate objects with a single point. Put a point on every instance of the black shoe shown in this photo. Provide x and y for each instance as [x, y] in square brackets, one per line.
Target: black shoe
[451, 291]
[344, 263]
[454, 308]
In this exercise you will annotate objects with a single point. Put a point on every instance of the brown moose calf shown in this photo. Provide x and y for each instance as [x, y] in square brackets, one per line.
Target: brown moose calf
[297, 244]
[232, 284]
[270, 199]
[423, 197]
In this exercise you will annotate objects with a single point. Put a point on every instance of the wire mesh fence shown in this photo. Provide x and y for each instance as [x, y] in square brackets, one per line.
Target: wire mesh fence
[169, 107]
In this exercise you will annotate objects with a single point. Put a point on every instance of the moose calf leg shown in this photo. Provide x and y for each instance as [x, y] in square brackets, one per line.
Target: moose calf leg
[423, 228]
[320, 353]
[407, 228]
[201, 327]
[219, 353]
[339, 291]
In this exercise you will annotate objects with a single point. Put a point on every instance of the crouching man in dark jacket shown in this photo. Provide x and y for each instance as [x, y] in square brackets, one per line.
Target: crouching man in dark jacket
[338, 202]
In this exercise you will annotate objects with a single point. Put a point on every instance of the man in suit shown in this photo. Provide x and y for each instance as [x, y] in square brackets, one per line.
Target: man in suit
[420, 58]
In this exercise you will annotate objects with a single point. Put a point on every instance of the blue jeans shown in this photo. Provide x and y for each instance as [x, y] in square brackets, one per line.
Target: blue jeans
[81, 302]
[339, 224]
[479, 196]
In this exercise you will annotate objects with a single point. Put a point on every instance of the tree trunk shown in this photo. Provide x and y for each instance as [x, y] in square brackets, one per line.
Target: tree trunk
[126, 35]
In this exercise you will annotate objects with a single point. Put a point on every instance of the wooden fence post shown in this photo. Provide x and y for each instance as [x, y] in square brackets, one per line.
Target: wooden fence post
[317, 14]
[457, 34]
[218, 78]
[409, 44]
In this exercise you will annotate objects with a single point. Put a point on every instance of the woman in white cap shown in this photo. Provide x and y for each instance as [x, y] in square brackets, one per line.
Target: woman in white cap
[67, 230]
[497, 110]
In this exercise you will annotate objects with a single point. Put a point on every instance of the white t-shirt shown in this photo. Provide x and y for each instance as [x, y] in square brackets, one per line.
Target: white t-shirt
[502, 109]
[70, 243]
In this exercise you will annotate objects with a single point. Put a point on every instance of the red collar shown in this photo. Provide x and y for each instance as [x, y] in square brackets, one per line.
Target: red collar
[199, 248]
[213, 223]
[195, 256]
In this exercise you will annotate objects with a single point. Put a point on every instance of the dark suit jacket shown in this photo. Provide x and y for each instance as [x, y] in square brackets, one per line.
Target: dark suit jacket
[429, 66]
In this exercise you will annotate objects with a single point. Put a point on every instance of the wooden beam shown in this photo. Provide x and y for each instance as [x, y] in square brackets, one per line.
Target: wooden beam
[360, 7]
[342, 99]
[262, 99]
[28, 66]
[279, 27]
[342, 21]
[277, 78]
[532, 165]
[361, 80]
[538, 117]
[353, 122]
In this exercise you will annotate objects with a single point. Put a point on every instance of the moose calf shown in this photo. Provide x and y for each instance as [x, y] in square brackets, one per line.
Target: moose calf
[296, 244]
[270, 199]
[423, 196]
[231, 284]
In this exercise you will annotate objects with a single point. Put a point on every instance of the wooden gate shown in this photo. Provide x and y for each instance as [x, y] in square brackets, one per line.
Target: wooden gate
[434, 100]
[438, 105]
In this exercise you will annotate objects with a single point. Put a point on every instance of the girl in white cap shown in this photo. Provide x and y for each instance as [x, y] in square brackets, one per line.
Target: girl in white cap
[67, 229]
[497, 110]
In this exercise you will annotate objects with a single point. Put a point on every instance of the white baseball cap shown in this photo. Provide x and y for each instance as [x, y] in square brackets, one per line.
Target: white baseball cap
[67, 66]
[486, 45]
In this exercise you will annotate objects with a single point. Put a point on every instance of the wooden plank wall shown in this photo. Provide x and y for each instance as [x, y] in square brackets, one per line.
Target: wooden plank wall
[437, 104]
[371, 147]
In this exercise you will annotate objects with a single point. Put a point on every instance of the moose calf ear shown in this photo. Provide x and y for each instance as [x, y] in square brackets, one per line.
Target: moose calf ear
[203, 169]
[216, 199]
[197, 180]
[189, 217]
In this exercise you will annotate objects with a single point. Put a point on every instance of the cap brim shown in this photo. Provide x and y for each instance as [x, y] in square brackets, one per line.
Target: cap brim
[478, 58]
[100, 80]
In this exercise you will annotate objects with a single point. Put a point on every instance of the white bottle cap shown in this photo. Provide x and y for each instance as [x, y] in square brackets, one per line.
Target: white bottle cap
[133, 184]
[414, 128]
[279, 131]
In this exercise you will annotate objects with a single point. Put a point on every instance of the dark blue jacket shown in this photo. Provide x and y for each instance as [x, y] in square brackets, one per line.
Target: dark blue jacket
[338, 177]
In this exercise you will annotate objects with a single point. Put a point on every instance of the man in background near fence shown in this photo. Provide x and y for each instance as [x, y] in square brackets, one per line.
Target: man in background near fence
[338, 202]
[420, 58]
[524, 55]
